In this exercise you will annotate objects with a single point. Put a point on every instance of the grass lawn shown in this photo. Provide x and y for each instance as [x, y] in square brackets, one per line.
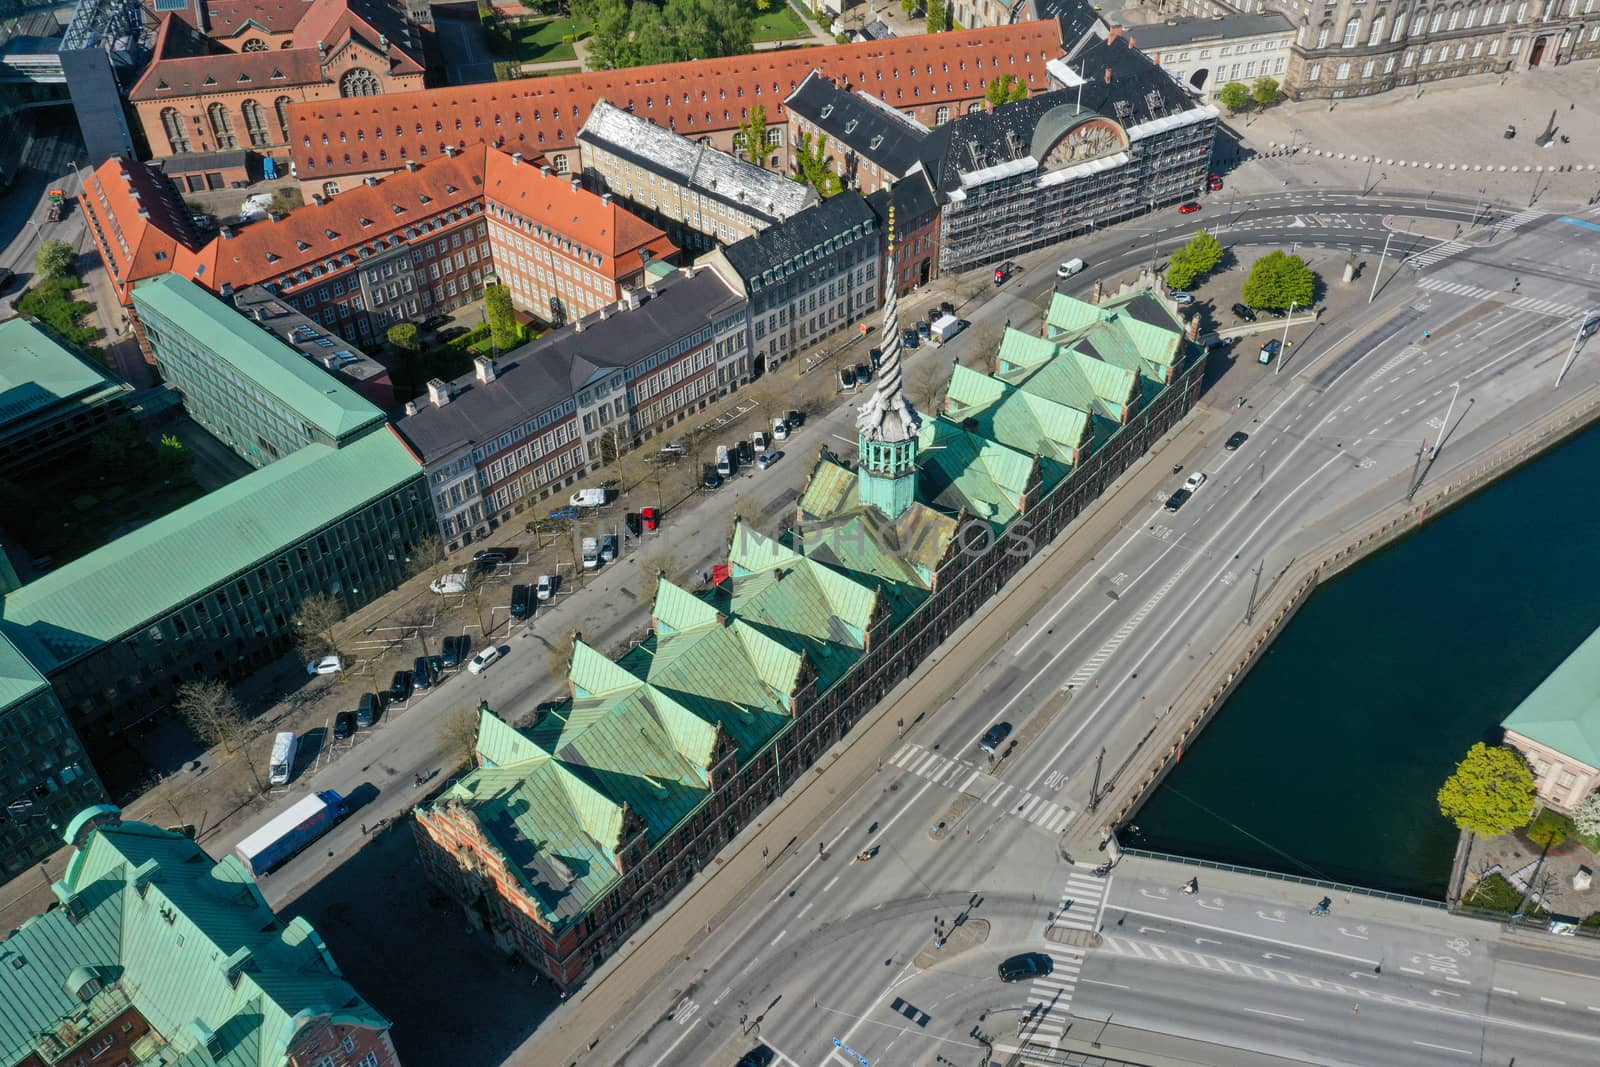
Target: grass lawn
[540, 41]
[779, 24]
[1494, 893]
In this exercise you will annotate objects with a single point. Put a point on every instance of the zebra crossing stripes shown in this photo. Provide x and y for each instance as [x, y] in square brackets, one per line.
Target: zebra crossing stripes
[1050, 995]
[1517, 221]
[1443, 250]
[1547, 307]
[1080, 900]
[1439, 285]
[961, 775]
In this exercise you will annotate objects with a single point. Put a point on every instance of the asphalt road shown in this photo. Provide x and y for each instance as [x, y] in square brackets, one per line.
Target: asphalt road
[830, 944]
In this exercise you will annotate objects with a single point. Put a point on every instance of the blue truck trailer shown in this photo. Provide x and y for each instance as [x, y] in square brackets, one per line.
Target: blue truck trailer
[291, 831]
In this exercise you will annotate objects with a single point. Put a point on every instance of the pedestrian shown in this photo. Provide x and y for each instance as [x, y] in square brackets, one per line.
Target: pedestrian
[563, 994]
[819, 850]
[363, 829]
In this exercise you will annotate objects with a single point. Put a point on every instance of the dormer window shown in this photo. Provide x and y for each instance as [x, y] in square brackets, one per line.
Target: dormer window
[244, 78]
[163, 87]
[425, 198]
[273, 257]
[302, 246]
[850, 127]
[209, 80]
[331, 235]
[364, 221]
[827, 110]
[277, 75]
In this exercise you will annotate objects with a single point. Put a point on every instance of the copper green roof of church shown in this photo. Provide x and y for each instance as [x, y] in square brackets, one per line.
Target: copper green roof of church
[1137, 331]
[1564, 711]
[1018, 419]
[1057, 372]
[188, 942]
[836, 528]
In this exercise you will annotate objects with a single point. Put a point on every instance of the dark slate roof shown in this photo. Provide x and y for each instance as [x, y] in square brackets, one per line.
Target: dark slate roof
[190, 162]
[790, 240]
[876, 30]
[913, 198]
[1077, 17]
[1122, 84]
[871, 128]
[1192, 31]
[543, 373]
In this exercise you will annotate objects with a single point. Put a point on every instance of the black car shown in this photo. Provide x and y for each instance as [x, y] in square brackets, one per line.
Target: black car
[422, 672]
[1026, 966]
[876, 357]
[760, 1056]
[1239, 438]
[746, 452]
[1178, 499]
[847, 378]
[909, 339]
[400, 687]
[433, 322]
[924, 330]
[1243, 312]
[947, 308]
[712, 480]
[453, 650]
[795, 418]
[863, 375]
[632, 523]
[490, 558]
[367, 713]
[521, 602]
[344, 724]
[994, 737]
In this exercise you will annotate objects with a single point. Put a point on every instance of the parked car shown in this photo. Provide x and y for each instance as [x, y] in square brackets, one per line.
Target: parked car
[847, 378]
[1188, 209]
[1195, 481]
[1178, 499]
[344, 724]
[875, 357]
[482, 660]
[767, 459]
[1069, 268]
[452, 650]
[325, 665]
[588, 498]
[758, 440]
[447, 584]
[433, 322]
[909, 339]
[546, 587]
[591, 554]
[490, 558]
[743, 453]
[994, 736]
[1245, 312]
[1214, 182]
[1269, 351]
[796, 418]
[608, 548]
[631, 523]
[400, 687]
[863, 375]
[780, 430]
[422, 673]
[672, 450]
[1591, 327]
[1026, 966]
[946, 308]
[650, 517]
[712, 480]
[367, 712]
[1004, 271]
[1239, 438]
[924, 330]
[521, 602]
[1182, 299]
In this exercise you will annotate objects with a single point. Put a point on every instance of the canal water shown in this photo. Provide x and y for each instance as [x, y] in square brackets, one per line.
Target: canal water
[1326, 760]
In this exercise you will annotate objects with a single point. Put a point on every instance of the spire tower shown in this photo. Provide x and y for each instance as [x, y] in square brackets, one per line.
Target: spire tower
[887, 427]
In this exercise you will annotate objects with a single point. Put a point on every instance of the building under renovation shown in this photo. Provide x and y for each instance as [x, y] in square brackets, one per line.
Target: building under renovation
[574, 828]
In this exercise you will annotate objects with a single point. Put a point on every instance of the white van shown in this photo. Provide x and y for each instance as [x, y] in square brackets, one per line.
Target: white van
[284, 747]
[1069, 268]
[724, 462]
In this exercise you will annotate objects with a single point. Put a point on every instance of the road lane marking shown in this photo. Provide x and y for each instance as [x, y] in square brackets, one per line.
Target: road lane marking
[1444, 1048]
[1086, 981]
[1553, 1000]
[775, 940]
[1503, 989]
[1275, 1015]
[1457, 981]
[1412, 970]
[1253, 937]
[667, 1055]
[835, 878]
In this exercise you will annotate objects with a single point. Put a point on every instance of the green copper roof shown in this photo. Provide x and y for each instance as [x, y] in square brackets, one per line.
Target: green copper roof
[167, 948]
[962, 471]
[835, 528]
[135, 579]
[38, 372]
[1136, 332]
[18, 679]
[1564, 711]
[315, 395]
[1019, 419]
[1067, 377]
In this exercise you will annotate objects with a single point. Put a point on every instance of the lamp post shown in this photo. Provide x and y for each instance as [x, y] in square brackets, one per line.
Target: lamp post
[1284, 344]
[1445, 425]
[1379, 272]
[1572, 353]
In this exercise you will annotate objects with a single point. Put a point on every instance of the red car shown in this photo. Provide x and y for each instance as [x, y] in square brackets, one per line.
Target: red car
[1215, 182]
[1188, 209]
[650, 518]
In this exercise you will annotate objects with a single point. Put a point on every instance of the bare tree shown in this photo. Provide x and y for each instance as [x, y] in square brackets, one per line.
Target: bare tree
[319, 615]
[482, 597]
[428, 555]
[652, 569]
[419, 618]
[251, 765]
[561, 651]
[214, 714]
[771, 397]
[984, 346]
[458, 734]
[567, 543]
[926, 384]
[656, 475]
[750, 513]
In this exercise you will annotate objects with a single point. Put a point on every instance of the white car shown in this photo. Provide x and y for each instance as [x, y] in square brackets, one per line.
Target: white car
[325, 665]
[546, 587]
[1182, 298]
[759, 440]
[780, 430]
[449, 583]
[483, 659]
[1196, 480]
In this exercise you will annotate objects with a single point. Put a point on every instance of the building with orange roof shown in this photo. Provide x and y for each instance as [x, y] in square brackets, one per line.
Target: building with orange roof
[223, 74]
[428, 239]
[337, 142]
[138, 220]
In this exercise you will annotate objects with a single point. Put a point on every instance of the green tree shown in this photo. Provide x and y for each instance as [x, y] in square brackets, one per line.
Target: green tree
[1235, 96]
[811, 158]
[55, 260]
[173, 459]
[503, 324]
[1278, 280]
[1490, 793]
[754, 132]
[1006, 89]
[1199, 256]
[910, 6]
[1264, 91]
[403, 335]
[610, 45]
[938, 16]
[1586, 818]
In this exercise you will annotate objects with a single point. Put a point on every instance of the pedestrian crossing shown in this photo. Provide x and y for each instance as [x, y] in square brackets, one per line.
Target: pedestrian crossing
[1443, 250]
[1517, 221]
[1050, 996]
[1478, 292]
[966, 777]
[1474, 292]
[1548, 307]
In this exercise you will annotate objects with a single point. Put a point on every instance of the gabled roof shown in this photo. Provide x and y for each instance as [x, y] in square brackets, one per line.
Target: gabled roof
[694, 98]
[140, 223]
[780, 248]
[1058, 372]
[225, 18]
[1135, 332]
[837, 529]
[163, 924]
[1017, 418]
[1564, 711]
[379, 25]
[1194, 31]
[859, 121]
[187, 63]
[258, 356]
[959, 471]
[141, 576]
[560, 203]
[18, 678]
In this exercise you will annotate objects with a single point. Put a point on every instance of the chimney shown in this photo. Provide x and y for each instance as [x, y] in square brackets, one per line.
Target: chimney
[629, 301]
[650, 292]
[322, 49]
[370, 180]
[236, 964]
[605, 312]
[577, 324]
[383, 42]
[318, 199]
[546, 171]
[411, 407]
[438, 392]
[576, 183]
[144, 213]
[227, 233]
[450, 150]
[1114, 35]
[484, 368]
[413, 166]
[605, 198]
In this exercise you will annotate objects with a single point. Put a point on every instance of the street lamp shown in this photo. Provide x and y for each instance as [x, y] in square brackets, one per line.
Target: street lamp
[1284, 344]
[1572, 353]
[1379, 273]
[1445, 425]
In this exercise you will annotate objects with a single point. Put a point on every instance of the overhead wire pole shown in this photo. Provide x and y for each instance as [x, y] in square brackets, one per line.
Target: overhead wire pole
[1284, 344]
[1379, 273]
[1577, 342]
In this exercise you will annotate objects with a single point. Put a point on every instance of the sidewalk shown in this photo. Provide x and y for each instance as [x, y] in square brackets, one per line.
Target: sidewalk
[1448, 137]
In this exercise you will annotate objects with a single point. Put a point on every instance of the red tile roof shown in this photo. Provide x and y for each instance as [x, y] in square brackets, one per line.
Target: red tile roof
[224, 18]
[538, 115]
[336, 22]
[137, 219]
[552, 201]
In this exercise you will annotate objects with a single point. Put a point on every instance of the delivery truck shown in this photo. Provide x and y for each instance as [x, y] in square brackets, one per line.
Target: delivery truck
[946, 327]
[308, 819]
